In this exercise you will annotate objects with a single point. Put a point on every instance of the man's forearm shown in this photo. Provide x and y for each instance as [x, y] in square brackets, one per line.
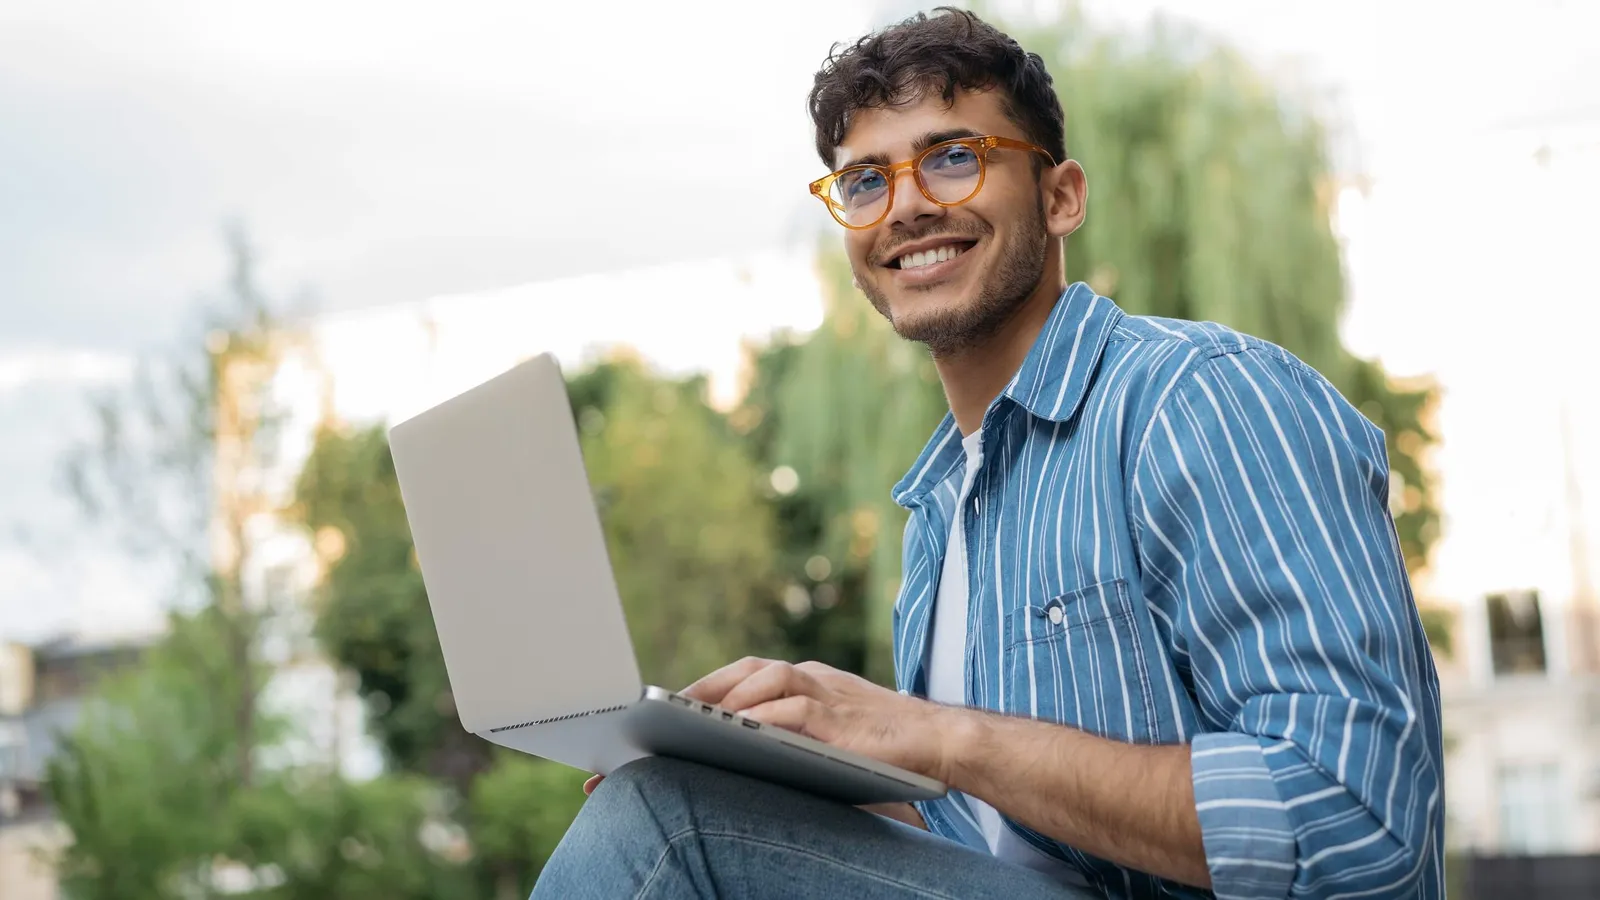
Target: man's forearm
[1127, 803]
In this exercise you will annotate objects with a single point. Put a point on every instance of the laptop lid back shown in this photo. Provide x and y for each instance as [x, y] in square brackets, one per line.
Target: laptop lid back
[512, 553]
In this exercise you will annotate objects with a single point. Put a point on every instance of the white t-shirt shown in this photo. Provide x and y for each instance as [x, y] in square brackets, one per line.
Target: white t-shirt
[947, 676]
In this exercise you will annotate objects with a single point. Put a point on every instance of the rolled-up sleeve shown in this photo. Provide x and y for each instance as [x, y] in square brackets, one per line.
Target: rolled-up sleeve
[1260, 501]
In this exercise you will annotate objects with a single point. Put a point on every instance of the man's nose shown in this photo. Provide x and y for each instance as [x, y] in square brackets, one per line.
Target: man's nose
[909, 203]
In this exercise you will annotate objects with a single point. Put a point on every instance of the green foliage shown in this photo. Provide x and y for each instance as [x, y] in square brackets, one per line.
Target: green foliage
[157, 806]
[163, 783]
[373, 611]
[520, 808]
[147, 780]
[689, 533]
[1438, 623]
[811, 572]
[853, 408]
[1215, 198]
[307, 839]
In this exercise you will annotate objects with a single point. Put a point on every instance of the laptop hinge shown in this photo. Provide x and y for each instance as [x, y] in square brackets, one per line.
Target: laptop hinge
[576, 715]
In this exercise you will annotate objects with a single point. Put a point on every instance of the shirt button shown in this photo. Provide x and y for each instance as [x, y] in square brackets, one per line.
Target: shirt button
[1055, 615]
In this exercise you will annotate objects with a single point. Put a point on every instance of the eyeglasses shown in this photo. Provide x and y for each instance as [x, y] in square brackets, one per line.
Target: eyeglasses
[948, 173]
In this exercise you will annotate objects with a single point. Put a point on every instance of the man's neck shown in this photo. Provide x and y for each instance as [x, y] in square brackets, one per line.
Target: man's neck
[975, 376]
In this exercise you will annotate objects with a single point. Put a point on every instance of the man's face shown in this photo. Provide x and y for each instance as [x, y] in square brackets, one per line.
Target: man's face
[996, 242]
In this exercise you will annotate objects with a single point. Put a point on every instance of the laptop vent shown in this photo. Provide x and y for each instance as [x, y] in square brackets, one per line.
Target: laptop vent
[576, 715]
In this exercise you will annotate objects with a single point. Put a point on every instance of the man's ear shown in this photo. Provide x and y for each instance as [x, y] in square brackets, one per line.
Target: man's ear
[1066, 198]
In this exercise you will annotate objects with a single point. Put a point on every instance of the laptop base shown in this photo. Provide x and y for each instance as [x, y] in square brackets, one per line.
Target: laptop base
[662, 723]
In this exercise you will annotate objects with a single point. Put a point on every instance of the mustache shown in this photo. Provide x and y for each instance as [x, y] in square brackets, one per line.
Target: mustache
[886, 254]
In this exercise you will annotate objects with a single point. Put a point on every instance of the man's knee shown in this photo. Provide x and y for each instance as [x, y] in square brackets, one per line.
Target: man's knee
[655, 772]
[659, 785]
[620, 833]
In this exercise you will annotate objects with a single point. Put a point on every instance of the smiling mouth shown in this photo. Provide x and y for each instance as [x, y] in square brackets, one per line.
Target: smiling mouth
[922, 258]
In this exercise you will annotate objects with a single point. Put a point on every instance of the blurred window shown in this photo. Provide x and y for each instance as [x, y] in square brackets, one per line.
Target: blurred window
[1516, 633]
[12, 739]
[1532, 809]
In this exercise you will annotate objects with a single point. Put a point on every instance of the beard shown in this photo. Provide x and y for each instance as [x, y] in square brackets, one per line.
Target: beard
[965, 324]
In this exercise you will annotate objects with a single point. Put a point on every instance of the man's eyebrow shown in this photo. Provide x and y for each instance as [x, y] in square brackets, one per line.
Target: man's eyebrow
[917, 146]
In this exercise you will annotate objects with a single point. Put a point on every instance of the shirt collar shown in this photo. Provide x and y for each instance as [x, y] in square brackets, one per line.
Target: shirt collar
[1050, 384]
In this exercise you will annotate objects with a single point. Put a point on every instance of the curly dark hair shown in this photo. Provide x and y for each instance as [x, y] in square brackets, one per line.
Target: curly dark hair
[948, 51]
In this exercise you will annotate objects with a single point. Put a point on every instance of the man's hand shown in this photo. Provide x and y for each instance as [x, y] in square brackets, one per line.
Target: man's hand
[835, 707]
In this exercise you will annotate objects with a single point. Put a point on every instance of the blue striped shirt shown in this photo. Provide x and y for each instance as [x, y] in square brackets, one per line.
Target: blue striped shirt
[1181, 534]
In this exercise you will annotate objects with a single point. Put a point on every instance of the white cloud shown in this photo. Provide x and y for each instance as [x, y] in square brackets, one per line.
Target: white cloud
[30, 367]
[117, 597]
[103, 595]
[27, 580]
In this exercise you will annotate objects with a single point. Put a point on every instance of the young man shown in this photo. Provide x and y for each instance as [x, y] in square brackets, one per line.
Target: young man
[1155, 629]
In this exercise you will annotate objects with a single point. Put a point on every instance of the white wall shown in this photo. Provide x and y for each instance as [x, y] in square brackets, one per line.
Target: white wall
[22, 876]
[391, 362]
[1523, 725]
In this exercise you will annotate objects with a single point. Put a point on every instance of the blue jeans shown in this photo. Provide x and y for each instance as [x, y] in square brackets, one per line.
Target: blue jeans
[664, 829]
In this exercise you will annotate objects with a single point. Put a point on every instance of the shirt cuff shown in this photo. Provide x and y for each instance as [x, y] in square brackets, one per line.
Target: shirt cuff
[1249, 840]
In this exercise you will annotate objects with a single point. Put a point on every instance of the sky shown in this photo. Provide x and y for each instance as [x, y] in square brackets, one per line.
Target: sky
[383, 153]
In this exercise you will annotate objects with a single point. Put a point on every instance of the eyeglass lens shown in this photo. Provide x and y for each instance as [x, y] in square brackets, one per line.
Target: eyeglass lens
[950, 174]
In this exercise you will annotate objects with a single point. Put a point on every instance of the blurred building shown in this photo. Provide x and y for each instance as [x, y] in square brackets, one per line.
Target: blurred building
[1522, 708]
[387, 363]
[1475, 268]
[42, 691]
[1522, 699]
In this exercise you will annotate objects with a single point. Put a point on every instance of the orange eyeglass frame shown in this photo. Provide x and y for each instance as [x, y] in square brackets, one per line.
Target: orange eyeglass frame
[983, 144]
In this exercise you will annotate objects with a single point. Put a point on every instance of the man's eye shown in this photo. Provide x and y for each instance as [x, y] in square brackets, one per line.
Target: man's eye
[955, 159]
[858, 183]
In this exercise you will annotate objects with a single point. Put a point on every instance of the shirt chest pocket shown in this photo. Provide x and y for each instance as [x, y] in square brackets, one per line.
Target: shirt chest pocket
[1080, 660]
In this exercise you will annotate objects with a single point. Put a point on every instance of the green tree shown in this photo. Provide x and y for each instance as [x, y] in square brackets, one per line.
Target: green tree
[147, 781]
[1216, 205]
[1209, 200]
[162, 783]
[848, 412]
[169, 470]
[372, 610]
[519, 811]
[687, 526]
[173, 467]
[149, 785]
[317, 836]
[825, 595]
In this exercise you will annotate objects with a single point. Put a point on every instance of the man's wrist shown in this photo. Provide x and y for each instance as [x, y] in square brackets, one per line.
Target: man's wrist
[960, 734]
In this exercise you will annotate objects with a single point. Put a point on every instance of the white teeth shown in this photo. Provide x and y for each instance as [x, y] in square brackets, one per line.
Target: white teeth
[929, 257]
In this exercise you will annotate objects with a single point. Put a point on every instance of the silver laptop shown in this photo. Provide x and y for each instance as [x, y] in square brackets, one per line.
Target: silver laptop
[535, 644]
